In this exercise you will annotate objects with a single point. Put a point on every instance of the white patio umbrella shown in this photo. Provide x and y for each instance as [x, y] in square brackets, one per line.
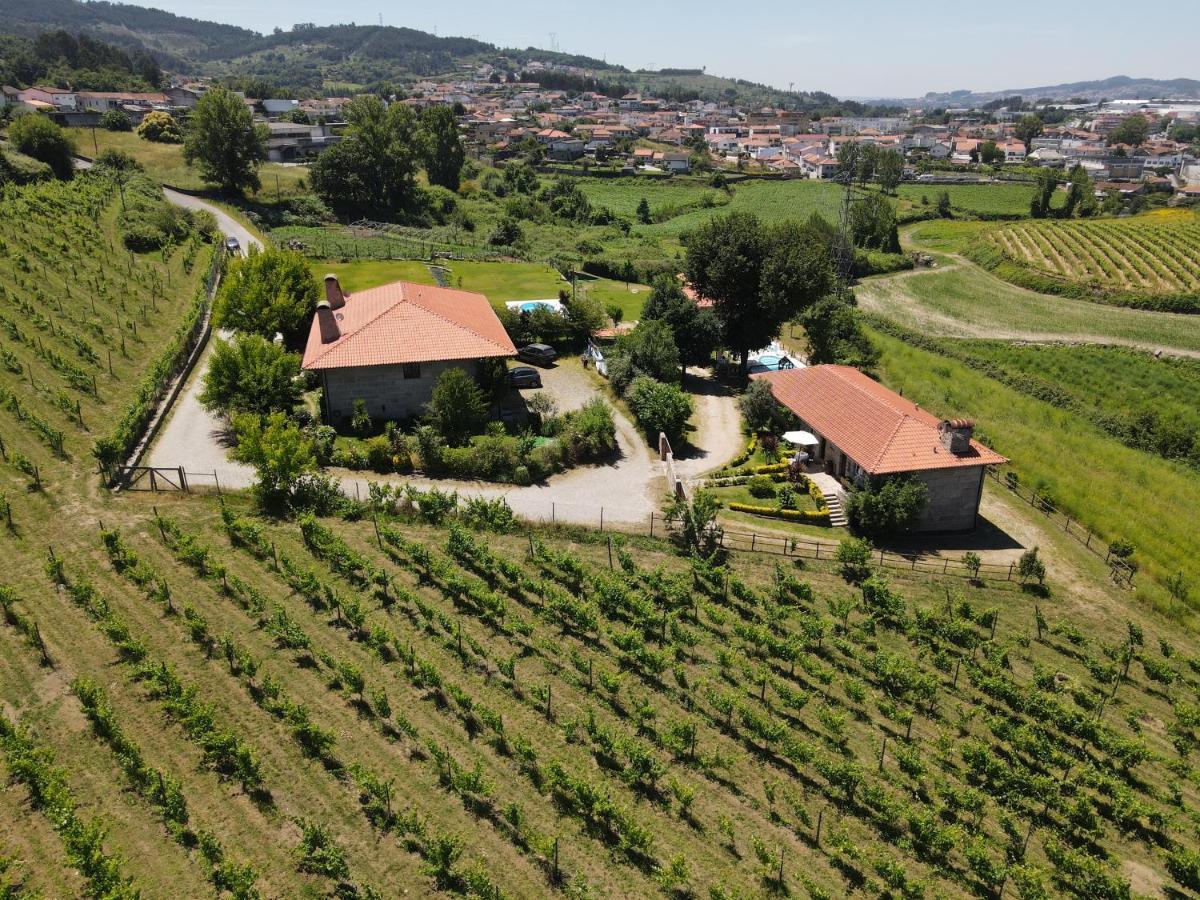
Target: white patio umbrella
[801, 438]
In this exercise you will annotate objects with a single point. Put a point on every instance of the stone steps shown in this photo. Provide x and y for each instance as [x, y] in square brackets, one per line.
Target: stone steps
[837, 514]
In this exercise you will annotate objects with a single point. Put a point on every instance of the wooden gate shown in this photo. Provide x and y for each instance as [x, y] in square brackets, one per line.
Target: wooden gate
[153, 478]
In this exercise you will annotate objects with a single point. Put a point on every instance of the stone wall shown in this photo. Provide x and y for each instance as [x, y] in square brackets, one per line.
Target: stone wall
[953, 498]
[384, 389]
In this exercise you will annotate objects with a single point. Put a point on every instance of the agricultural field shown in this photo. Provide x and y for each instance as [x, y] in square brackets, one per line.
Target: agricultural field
[197, 700]
[1112, 381]
[683, 204]
[1118, 491]
[960, 299]
[165, 163]
[1149, 260]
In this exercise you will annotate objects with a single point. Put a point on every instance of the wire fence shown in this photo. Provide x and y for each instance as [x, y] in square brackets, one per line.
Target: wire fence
[1122, 571]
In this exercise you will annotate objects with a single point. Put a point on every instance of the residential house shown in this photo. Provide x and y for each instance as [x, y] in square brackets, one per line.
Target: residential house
[387, 345]
[677, 161]
[868, 434]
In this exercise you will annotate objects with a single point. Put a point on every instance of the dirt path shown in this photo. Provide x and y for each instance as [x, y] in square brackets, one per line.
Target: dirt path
[888, 295]
[718, 436]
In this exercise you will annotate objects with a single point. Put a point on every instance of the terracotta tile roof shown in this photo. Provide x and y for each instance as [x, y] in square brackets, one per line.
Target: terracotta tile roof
[404, 322]
[877, 428]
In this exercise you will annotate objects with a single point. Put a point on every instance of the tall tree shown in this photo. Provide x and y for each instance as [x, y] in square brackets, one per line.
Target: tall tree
[889, 166]
[1027, 129]
[1132, 130]
[696, 329]
[372, 170]
[251, 374]
[442, 147]
[758, 277]
[835, 334]
[266, 292]
[224, 142]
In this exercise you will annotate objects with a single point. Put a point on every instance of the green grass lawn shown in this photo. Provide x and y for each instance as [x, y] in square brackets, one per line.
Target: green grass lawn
[165, 162]
[1115, 490]
[965, 301]
[498, 281]
[1009, 199]
[630, 298]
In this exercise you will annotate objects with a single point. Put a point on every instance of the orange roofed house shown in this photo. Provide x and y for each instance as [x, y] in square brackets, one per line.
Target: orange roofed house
[868, 433]
[387, 345]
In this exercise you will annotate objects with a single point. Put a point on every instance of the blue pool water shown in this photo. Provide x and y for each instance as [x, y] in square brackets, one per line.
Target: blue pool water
[532, 305]
[769, 362]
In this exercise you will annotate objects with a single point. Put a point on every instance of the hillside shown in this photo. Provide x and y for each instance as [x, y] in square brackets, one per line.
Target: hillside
[1119, 87]
[312, 59]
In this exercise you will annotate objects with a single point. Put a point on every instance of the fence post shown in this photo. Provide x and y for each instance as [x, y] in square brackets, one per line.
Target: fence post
[752, 542]
[1010, 572]
[552, 512]
[183, 481]
[602, 520]
[652, 526]
[153, 483]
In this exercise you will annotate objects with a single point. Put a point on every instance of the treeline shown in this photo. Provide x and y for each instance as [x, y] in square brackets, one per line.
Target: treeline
[577, 84]
[81, 62]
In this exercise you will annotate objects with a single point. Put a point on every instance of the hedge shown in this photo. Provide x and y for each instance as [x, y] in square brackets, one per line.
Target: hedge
[811, 516]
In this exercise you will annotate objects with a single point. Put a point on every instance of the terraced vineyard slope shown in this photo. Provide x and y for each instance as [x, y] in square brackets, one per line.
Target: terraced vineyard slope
[1151, 260]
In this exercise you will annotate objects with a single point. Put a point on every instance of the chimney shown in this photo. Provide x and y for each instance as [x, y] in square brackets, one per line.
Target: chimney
[333, 292]
[956, 434]
[328, 324]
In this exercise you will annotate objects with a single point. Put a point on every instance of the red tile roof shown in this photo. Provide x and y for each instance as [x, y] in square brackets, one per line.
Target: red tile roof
[404, 322]
[877, 428]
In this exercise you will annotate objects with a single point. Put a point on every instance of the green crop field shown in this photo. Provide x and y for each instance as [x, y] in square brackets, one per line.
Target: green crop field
[1116, 490]
[1148, 260]
[1112, 381]
[199, 701]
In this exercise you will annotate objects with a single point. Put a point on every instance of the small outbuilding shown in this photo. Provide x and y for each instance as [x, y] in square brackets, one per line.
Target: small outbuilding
[867, 433]
[387, 345]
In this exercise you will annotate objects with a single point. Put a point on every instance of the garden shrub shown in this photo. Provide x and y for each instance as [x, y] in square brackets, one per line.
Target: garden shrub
[761, 486]
[660, 407]
[891, 508]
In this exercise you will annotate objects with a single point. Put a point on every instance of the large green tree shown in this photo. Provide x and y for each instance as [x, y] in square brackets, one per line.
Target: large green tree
[35, 135]
[696, 330]
[873, 224]
[251, 374]
[757, 276]
[1027, 129]
[889, 166]
[835, 334]
[223, 141]
[279, 451]
[441, 146]
[649, 350]
[372, 170]
[266, 292]
[1131, 130]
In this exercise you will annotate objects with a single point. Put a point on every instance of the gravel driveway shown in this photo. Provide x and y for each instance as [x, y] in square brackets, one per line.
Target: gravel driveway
[624, 491]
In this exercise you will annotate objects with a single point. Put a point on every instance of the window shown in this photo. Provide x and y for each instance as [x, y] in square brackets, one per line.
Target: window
[412, 370]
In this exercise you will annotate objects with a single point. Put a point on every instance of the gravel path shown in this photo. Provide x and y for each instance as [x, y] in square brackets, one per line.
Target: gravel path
[625, 491]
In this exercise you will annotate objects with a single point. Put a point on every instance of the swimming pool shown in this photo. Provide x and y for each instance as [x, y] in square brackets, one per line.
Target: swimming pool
[534, 304]
[768, 362]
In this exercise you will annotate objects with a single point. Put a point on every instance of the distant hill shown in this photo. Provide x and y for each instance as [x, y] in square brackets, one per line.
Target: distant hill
[312, 59]
[1119, 87]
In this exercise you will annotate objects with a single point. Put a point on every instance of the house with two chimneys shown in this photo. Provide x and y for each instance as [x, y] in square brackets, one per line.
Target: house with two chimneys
[388, 345]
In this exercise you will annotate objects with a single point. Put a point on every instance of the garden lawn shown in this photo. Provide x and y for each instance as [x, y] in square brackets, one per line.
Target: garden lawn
[1115, 490]
[630, 298]
[498, 281]
[165, 162]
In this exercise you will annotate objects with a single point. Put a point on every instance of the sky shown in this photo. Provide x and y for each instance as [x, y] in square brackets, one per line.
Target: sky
[871, 49]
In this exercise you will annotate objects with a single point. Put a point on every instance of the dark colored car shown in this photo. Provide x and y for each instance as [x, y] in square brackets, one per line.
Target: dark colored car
[524, 377]
[538, 354]
[233, 245]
